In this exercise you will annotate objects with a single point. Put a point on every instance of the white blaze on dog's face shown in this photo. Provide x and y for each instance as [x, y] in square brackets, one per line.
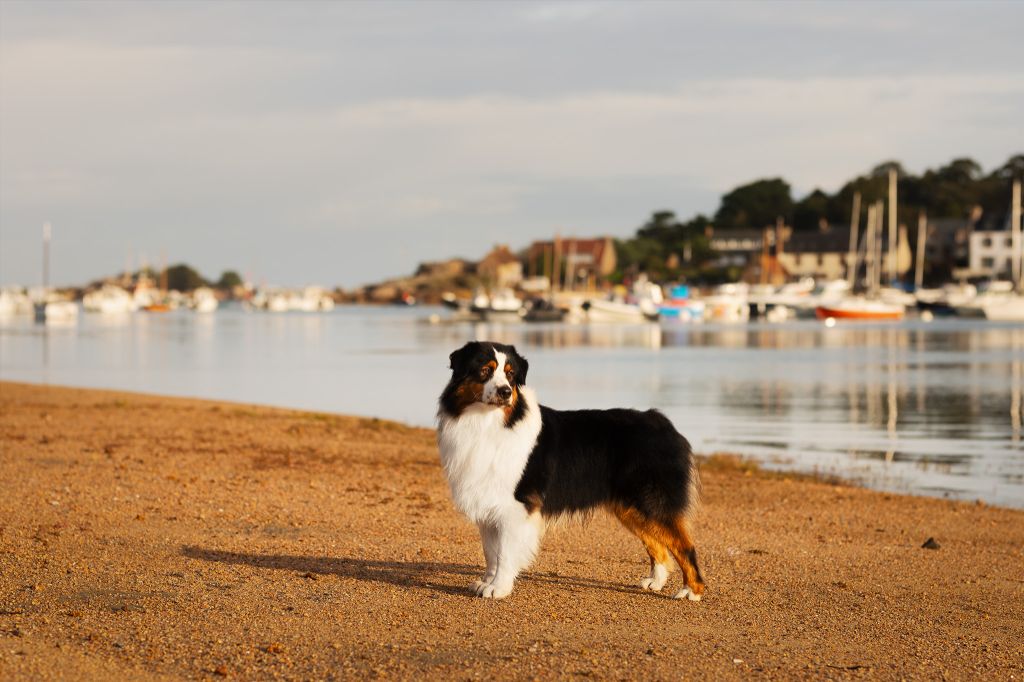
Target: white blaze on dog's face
[497, 387]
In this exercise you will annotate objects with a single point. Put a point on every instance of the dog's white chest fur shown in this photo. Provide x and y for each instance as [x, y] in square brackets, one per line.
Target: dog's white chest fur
[484, 459]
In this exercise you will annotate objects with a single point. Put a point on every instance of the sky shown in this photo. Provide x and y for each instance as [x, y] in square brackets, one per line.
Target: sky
[343, 143]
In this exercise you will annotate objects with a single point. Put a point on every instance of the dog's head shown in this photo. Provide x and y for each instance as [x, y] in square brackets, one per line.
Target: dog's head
[485, 374]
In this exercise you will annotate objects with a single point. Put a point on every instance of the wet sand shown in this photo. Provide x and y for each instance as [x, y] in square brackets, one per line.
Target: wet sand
[147, 537]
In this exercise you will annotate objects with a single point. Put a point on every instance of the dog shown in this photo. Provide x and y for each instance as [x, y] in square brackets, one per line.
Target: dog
[514, 466]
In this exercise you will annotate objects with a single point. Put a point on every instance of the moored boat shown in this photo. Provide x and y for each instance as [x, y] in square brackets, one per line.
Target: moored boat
[56, 311]
[860, 309]
[109, 300]
[203, 300]
[680, 306]
[14, 301]
[500, 305]
[998, 302]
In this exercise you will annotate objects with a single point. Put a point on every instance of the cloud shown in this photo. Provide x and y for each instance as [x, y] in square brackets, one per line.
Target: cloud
[337, 133]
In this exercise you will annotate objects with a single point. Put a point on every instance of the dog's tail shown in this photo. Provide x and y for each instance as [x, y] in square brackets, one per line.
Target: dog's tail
[694, 490]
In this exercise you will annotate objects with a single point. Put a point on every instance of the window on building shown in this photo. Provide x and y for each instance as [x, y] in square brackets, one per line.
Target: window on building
[988, 262]
[986, 242]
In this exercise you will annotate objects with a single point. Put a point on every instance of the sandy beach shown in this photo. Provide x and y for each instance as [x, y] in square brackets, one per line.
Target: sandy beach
[148, 537]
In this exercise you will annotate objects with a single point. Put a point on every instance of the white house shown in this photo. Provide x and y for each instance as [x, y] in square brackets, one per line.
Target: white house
[990, 253]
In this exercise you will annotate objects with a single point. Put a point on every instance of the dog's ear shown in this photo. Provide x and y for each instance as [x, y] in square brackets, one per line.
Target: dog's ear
[458, 359]
[521, 366]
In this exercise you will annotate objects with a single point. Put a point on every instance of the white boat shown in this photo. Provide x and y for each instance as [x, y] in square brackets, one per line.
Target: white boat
[14, 301]
[612, 310]
[1005, 309]
[826, 293]
[312, 300]
[109, 300]
[56, 311]
[944, 301]
[728, 303]
[203, 300]
[502, 304]
[897, 296]
[643, 304]
[278, 302]
[998, 302]
[776, 305]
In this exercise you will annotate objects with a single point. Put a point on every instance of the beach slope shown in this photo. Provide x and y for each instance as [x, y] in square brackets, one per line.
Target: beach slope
[146, 537]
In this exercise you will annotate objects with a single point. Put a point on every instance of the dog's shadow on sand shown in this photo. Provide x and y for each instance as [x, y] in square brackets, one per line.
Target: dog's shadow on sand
[432, 576]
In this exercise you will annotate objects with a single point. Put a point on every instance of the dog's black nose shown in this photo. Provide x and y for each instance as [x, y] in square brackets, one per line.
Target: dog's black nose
[505, 392]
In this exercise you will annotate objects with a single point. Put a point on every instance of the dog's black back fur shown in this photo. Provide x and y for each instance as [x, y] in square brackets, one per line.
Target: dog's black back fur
[588, 458]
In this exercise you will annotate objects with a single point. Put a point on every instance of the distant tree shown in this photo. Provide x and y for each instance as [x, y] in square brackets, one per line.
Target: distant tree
[181, 277]
[229, 279]
[809, 212]
[755, 205]
[665, 248]
[662, 226]
[953, 190]
[1013, 168]
[960, 171]
[882, 169]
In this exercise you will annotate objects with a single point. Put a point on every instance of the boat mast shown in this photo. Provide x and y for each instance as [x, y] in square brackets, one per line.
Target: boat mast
[892, 226]
[851, 259]
[879, 224]
[1017, 253]
[869, 250]
[922, 233]
[46, 257]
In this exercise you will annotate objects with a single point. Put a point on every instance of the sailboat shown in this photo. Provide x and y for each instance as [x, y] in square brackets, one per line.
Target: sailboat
[50, 308]
[871, 306]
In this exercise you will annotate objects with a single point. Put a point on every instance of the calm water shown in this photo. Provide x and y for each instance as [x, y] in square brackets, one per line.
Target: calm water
[929, 408]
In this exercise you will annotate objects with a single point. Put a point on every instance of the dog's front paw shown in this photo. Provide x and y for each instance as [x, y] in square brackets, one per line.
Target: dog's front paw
[477, 587]
[495, 591]
[687, 593]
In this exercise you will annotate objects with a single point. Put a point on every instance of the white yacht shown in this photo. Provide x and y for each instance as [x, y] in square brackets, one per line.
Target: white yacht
[998, 301]
[109, 299]
[14, 301]
[203, 300]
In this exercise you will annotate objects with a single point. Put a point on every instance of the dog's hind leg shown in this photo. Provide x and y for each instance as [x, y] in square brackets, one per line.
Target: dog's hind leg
[489, 539]
[680, 544]
[656, 550]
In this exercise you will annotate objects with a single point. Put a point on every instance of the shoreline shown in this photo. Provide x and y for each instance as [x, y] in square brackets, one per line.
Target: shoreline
[728, 460]
[312, 545]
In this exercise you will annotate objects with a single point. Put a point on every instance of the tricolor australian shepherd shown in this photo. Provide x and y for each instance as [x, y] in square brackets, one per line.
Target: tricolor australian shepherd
[514, 465]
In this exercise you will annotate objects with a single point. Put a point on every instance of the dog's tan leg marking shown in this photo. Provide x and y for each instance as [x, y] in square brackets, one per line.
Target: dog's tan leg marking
[680, 544]
[656, 550]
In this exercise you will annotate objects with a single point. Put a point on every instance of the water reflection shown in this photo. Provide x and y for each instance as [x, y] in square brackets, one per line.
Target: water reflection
[932, 408]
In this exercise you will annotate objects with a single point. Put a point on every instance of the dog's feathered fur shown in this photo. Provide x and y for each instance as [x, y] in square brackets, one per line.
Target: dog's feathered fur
[513, 465]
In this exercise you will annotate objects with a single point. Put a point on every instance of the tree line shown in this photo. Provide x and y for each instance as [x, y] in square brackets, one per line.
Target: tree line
[182, 277]
[669, 248]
